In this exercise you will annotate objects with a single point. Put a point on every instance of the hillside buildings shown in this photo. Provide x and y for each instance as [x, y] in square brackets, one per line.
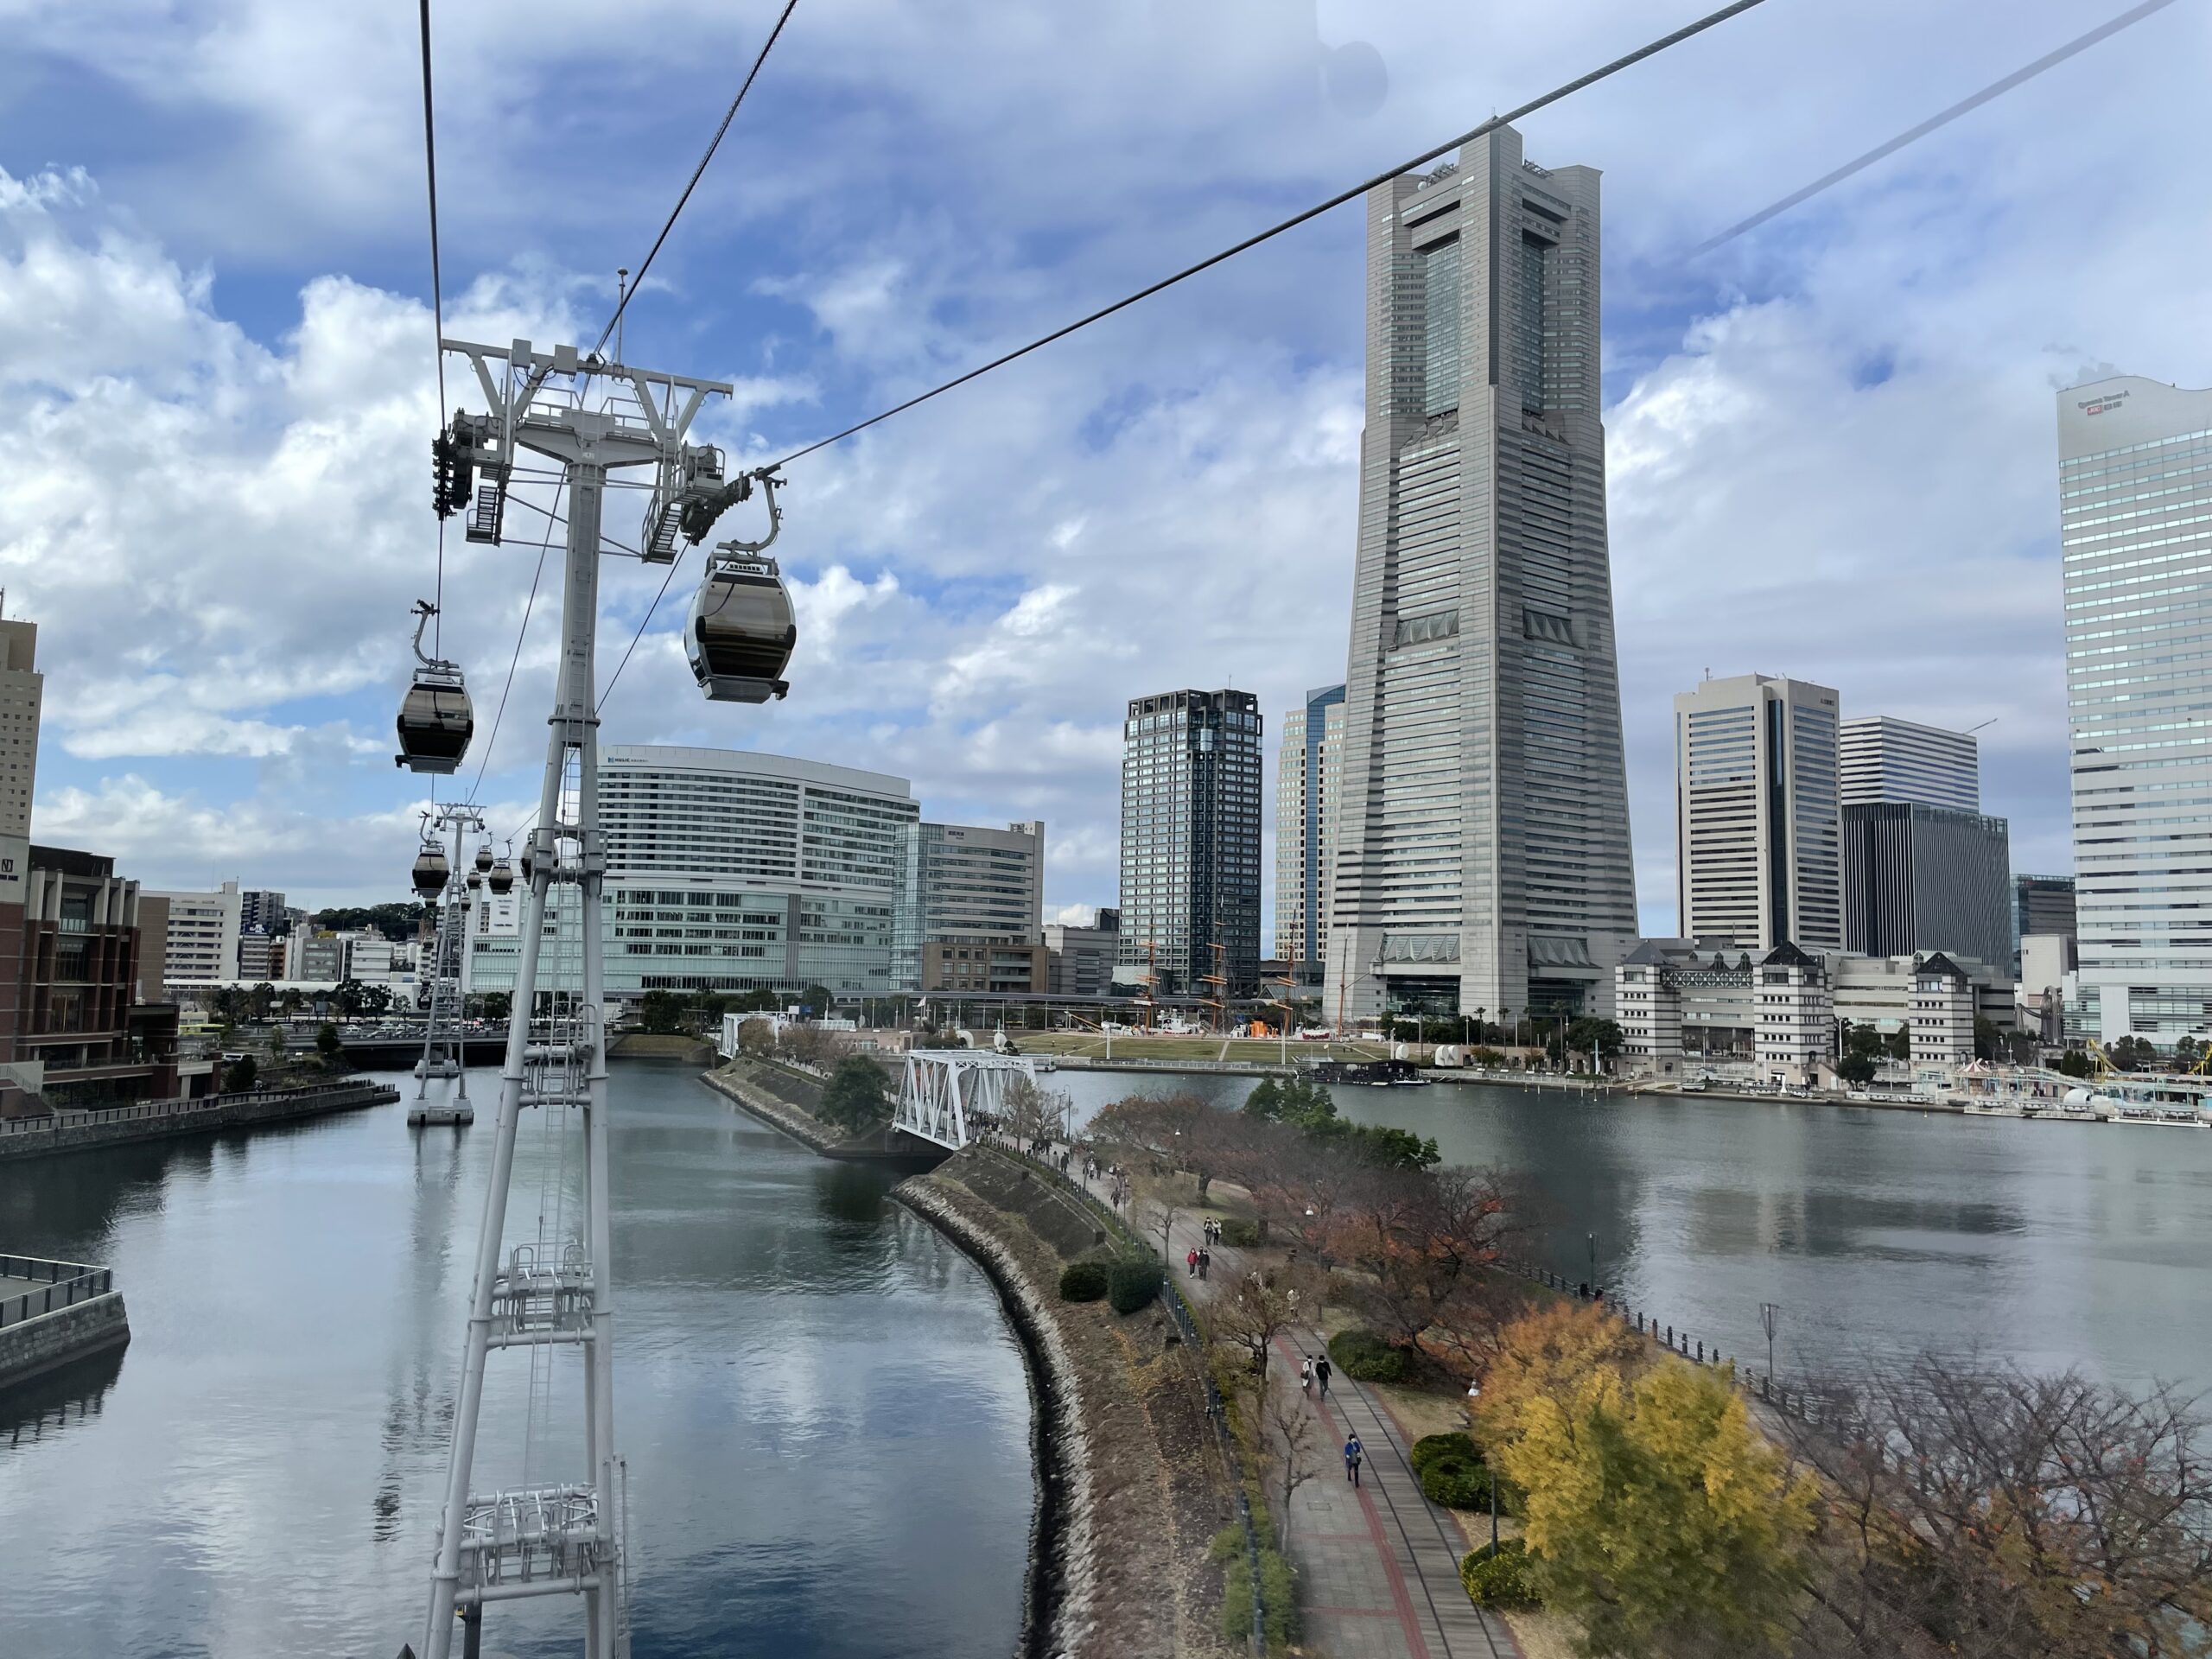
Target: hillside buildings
[1190, 857]
[1309, 781]
[2135, 523]
[1759, 859]
[1484, 856]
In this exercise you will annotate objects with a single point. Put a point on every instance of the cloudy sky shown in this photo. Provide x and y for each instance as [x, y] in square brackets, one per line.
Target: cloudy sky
[1831, 449]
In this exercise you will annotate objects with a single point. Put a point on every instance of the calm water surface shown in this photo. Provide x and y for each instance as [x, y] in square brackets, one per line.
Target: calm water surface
[825, 1417]
[1879, 1232]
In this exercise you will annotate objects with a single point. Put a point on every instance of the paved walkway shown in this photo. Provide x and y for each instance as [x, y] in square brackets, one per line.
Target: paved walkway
[1378, 1564]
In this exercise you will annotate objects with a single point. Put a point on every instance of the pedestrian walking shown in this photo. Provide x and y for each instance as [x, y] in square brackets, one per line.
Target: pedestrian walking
[1192, 1259]
[1354, 1452]
[1205, 1260]
[1321, 1368]
[1306, 1376]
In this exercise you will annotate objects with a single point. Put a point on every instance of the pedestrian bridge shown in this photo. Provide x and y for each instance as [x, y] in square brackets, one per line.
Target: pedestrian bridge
[947, 1095]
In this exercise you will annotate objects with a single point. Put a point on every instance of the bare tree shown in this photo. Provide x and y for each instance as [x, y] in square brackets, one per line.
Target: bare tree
[1292, 1440]
[1997, 1515]
[1253, 1315]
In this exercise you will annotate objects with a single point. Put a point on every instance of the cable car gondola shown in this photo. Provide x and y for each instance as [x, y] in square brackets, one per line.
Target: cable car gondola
[502, 878]
[484, 859]
[474, 880]
[741, 632]
[435, 720]
[431, 871]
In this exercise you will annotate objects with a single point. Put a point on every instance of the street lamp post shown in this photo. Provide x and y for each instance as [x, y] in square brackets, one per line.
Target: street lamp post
[1593, 1239]
[1770, 1316]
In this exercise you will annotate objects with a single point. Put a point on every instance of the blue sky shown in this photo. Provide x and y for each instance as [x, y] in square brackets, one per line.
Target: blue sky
[1831, 442]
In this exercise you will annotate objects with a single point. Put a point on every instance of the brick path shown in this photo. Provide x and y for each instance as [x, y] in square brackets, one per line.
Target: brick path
[1378, 1564]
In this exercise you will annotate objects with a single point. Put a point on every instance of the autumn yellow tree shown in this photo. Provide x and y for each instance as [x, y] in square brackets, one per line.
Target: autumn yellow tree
[1549, 1353]
[1656, 1515]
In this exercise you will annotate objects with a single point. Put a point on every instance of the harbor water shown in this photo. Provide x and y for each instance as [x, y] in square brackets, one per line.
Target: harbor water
[1878, 1232]
[824, 1413]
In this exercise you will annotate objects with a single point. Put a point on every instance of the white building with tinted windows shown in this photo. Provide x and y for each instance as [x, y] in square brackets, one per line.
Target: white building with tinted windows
[2135, 526]
[729, 871]
[1757, 831]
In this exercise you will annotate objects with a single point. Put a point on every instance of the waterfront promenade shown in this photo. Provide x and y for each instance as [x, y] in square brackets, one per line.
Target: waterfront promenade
[1377, 1564]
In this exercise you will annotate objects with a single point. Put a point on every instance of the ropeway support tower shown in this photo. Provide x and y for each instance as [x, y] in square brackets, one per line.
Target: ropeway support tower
[562, 1539]
[445, 1057]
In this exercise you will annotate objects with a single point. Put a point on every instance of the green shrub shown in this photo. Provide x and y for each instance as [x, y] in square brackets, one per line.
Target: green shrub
[1083, 1281]
[1430, 1447]
[1456, 1482]
[1243, 1233]
[1500, 1580]
[1132, 1282]
[1363, 1355]
[1278, 1594]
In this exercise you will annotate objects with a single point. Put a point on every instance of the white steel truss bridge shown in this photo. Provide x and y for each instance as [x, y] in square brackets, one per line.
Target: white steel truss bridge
[946, 1094]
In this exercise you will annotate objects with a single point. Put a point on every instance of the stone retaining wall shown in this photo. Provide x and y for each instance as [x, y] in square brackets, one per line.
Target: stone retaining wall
[193, 1117]
[39, 1345]
[1131, 1484]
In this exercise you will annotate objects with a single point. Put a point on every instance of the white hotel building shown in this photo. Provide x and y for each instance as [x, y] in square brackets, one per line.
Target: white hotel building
[2135, 517]
[728, 871]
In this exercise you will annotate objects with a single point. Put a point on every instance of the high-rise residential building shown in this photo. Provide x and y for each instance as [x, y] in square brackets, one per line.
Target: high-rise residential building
[22, 695]
[201, 946]
[729, 871]
[1309, 778]
[1919, 878]
[1883, 758]
[1757, 833]
[2135, 532]
[1483, 855]
[261, 911]
[1190, 839]
[968, 883]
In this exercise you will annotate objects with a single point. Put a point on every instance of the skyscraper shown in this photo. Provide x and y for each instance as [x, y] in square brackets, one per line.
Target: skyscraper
[2041, 904]
[22, 693]
[2135, 531]
[1919, 878]
[1190, 838]
[1756, 829]
[1888, 759]
[1483, 855]
[1308, 780]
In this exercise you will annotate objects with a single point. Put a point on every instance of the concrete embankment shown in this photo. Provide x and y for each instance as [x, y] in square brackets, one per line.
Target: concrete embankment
[156, 1120]
[784, 1099]
[661, 1045]
[52, 1312]
[1131, 1484]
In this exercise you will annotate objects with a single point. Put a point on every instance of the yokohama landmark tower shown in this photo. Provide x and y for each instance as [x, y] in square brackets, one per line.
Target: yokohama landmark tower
[1483, 855]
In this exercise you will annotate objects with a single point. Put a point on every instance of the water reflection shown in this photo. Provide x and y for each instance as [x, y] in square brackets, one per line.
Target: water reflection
[260, 1470]
[1880, 1232]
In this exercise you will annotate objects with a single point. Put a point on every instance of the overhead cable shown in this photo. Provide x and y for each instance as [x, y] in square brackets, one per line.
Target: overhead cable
[1913, 135]
[437, 312]
[1291, 223]
[645, 623]
[690, 184]
[536, 577]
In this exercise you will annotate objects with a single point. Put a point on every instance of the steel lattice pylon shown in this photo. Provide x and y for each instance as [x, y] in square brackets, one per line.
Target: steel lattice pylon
[565, 1538]
[445, 1056]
